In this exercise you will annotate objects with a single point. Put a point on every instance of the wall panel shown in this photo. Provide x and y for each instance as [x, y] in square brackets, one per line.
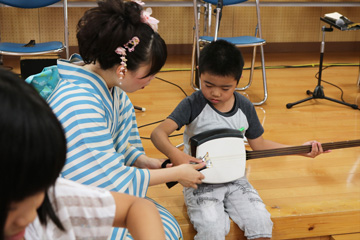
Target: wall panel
[280, 24]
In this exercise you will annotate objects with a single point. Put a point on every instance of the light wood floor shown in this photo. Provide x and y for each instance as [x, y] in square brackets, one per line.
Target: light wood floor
[317, 119]
[306, 197]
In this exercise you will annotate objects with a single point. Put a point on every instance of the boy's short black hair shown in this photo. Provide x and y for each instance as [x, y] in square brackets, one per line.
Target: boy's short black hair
[221, 58]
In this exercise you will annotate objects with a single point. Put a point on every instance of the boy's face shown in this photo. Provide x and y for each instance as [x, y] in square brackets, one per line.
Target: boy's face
[218, 90]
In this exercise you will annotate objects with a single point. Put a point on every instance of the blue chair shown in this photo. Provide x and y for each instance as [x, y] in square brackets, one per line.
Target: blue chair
[204, 8]
[32, 47]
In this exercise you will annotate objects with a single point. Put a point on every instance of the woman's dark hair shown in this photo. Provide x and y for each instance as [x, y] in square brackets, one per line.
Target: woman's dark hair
[32, 147]
[111, 25]
[221, 58]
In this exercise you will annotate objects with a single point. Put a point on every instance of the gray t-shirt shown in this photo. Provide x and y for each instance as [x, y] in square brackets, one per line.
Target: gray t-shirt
[198, 115]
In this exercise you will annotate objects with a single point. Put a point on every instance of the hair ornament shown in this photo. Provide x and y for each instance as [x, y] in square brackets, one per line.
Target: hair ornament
[141, 3]
[122, 52]
[130, 46]
[145, 16]
[132, 43]
[151, 21]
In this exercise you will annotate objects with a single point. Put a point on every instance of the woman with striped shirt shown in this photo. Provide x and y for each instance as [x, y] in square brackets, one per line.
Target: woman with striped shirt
[35, 203]
[122, 52]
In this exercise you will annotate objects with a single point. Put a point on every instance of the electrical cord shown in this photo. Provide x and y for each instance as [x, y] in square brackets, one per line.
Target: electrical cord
[149, 124]
[276, 67]
[282, 67]
[342, 92]
[248, 68]
[161, 79]
[293, 66]
[175, 135]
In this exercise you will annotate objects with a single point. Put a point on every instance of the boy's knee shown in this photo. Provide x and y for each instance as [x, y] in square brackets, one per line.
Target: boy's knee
[212, 230]
[211, 234]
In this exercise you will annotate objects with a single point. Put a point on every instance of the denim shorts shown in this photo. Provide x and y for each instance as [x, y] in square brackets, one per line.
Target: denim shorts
[210, 206]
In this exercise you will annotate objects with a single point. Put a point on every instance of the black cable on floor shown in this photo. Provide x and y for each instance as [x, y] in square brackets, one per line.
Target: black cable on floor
[342, 92]
[161, 79]
[269, 67]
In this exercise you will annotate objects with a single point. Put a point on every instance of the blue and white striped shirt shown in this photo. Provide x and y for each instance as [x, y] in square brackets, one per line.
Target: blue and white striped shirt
[101, 131]
[102, 138]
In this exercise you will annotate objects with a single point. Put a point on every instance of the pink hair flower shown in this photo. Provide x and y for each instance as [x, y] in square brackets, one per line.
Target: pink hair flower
[138, 2]
[151, 21]
[121, 51]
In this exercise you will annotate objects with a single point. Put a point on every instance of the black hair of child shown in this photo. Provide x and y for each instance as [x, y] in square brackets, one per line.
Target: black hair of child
[32, 147]
[221, 58]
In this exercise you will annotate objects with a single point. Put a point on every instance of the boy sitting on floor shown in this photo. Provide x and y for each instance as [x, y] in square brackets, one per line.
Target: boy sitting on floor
[216, 106]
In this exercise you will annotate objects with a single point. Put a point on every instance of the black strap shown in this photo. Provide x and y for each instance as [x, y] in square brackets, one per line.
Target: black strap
[163, 165]
[30, 44]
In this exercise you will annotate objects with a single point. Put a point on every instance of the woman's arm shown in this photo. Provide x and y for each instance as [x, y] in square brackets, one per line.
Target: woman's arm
[96, 157]
[183, 172]
[186, 174]
[138, 215]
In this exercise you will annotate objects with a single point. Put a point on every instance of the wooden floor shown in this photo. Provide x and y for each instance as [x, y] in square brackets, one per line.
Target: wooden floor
[307, 198]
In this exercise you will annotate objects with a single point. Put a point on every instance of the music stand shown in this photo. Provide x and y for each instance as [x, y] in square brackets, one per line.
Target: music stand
[319, 91]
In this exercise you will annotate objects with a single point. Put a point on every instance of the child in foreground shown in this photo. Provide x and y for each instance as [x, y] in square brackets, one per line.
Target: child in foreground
[217, 106]
[35, 203]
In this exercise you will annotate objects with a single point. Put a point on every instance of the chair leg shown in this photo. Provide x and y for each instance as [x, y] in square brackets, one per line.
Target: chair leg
[264, 77]
[194, 73]
[358, 81]
[195, 52]
[207, 19]
[251, 72]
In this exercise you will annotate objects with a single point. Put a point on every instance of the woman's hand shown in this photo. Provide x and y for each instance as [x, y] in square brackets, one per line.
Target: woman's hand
[186, 174]
[144, 161]
[316, 149]
[189, 175]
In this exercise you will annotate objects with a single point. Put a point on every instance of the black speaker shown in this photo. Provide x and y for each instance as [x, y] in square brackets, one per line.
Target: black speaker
[31, 66]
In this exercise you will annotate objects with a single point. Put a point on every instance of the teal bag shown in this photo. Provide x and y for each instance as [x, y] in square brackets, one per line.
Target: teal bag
[45, 81]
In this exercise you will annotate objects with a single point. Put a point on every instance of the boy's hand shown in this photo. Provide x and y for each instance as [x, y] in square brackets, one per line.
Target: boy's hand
[190, 176]
[179, 157]
[316, 149]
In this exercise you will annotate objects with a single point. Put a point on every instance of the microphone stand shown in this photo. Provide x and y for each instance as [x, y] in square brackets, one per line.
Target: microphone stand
[319, 91]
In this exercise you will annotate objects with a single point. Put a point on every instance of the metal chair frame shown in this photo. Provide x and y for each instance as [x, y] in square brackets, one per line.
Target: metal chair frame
[18, 47]
[207, 12]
